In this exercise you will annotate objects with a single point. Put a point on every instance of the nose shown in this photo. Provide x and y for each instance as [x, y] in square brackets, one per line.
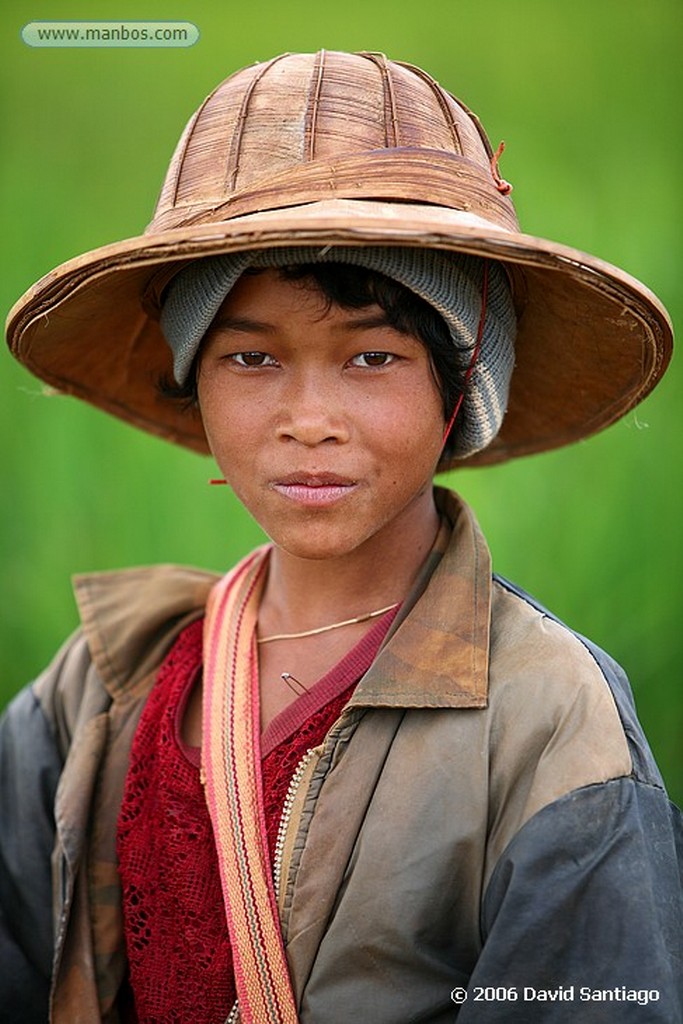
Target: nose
[312, 412]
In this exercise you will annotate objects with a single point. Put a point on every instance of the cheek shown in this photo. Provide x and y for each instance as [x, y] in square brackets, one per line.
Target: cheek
[423, 410]
[411, 432]
[223, 421]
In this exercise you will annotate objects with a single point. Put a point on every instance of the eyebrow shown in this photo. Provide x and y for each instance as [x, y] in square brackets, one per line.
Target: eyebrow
[239, 323]
[371, 320]
[247, 326]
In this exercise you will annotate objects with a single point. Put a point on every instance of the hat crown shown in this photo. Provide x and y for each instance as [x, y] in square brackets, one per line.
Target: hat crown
[305, 127]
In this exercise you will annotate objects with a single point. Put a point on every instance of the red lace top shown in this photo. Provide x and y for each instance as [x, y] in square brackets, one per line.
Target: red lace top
[178, 947]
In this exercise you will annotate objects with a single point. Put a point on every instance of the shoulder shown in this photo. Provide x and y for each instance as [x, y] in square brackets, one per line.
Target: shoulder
[561, 667]
[562, 715]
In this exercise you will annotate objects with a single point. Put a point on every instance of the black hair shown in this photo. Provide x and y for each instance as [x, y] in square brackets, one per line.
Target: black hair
[355, 288]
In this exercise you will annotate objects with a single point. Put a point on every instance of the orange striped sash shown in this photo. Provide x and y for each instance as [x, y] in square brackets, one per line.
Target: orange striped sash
[231, 764]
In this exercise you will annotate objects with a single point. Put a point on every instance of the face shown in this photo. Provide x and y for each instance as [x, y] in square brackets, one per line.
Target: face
[326, 422]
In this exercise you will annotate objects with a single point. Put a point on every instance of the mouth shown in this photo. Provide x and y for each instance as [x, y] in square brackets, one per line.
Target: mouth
[314, 489]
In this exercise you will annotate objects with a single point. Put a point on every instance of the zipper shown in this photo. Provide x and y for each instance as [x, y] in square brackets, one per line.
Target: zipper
[288, 805]
[287, 808]
[234, 1014]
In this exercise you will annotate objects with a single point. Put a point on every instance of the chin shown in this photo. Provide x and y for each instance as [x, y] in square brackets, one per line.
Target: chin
[313, 545]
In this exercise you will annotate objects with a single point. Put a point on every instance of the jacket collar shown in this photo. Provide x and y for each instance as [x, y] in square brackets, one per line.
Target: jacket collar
[437, 652]
[131, 617]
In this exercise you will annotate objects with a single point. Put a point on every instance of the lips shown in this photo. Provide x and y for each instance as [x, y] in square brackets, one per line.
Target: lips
[314, 489]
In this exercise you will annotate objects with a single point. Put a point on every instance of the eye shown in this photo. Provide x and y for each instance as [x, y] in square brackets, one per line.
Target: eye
[252, 360]
[373, 359]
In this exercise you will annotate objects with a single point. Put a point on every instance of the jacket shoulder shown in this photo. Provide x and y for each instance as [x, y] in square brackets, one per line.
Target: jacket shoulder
[561, 711]
[572, 666]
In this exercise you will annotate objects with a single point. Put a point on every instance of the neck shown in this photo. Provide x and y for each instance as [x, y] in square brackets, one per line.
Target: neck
[306, 593]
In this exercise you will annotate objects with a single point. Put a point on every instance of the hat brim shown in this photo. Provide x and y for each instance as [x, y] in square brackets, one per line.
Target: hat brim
[592, 341]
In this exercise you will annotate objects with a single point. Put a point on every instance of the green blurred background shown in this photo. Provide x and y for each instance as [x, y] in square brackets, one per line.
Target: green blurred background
[586, 95]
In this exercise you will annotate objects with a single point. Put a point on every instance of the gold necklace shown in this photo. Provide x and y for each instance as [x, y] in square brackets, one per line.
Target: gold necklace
[326, 629]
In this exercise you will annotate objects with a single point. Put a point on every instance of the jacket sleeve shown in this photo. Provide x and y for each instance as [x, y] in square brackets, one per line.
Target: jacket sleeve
[582, 918]
[30, 766]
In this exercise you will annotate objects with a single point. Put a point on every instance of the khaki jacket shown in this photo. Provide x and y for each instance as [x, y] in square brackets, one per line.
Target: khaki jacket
[485, 815]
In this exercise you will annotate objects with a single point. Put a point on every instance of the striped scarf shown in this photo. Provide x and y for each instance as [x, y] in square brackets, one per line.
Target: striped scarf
[231, 766]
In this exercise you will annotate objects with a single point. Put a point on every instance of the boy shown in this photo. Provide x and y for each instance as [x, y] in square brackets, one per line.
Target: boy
[359, 778]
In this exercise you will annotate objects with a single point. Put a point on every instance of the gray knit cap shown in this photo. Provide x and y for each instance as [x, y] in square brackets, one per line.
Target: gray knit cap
[450, 282]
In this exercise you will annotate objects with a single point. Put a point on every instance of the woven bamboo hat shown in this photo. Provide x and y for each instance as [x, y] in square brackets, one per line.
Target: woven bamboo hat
[335, 148]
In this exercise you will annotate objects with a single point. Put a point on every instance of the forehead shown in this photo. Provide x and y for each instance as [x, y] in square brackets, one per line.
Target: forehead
[269, 300]
[268, 292]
